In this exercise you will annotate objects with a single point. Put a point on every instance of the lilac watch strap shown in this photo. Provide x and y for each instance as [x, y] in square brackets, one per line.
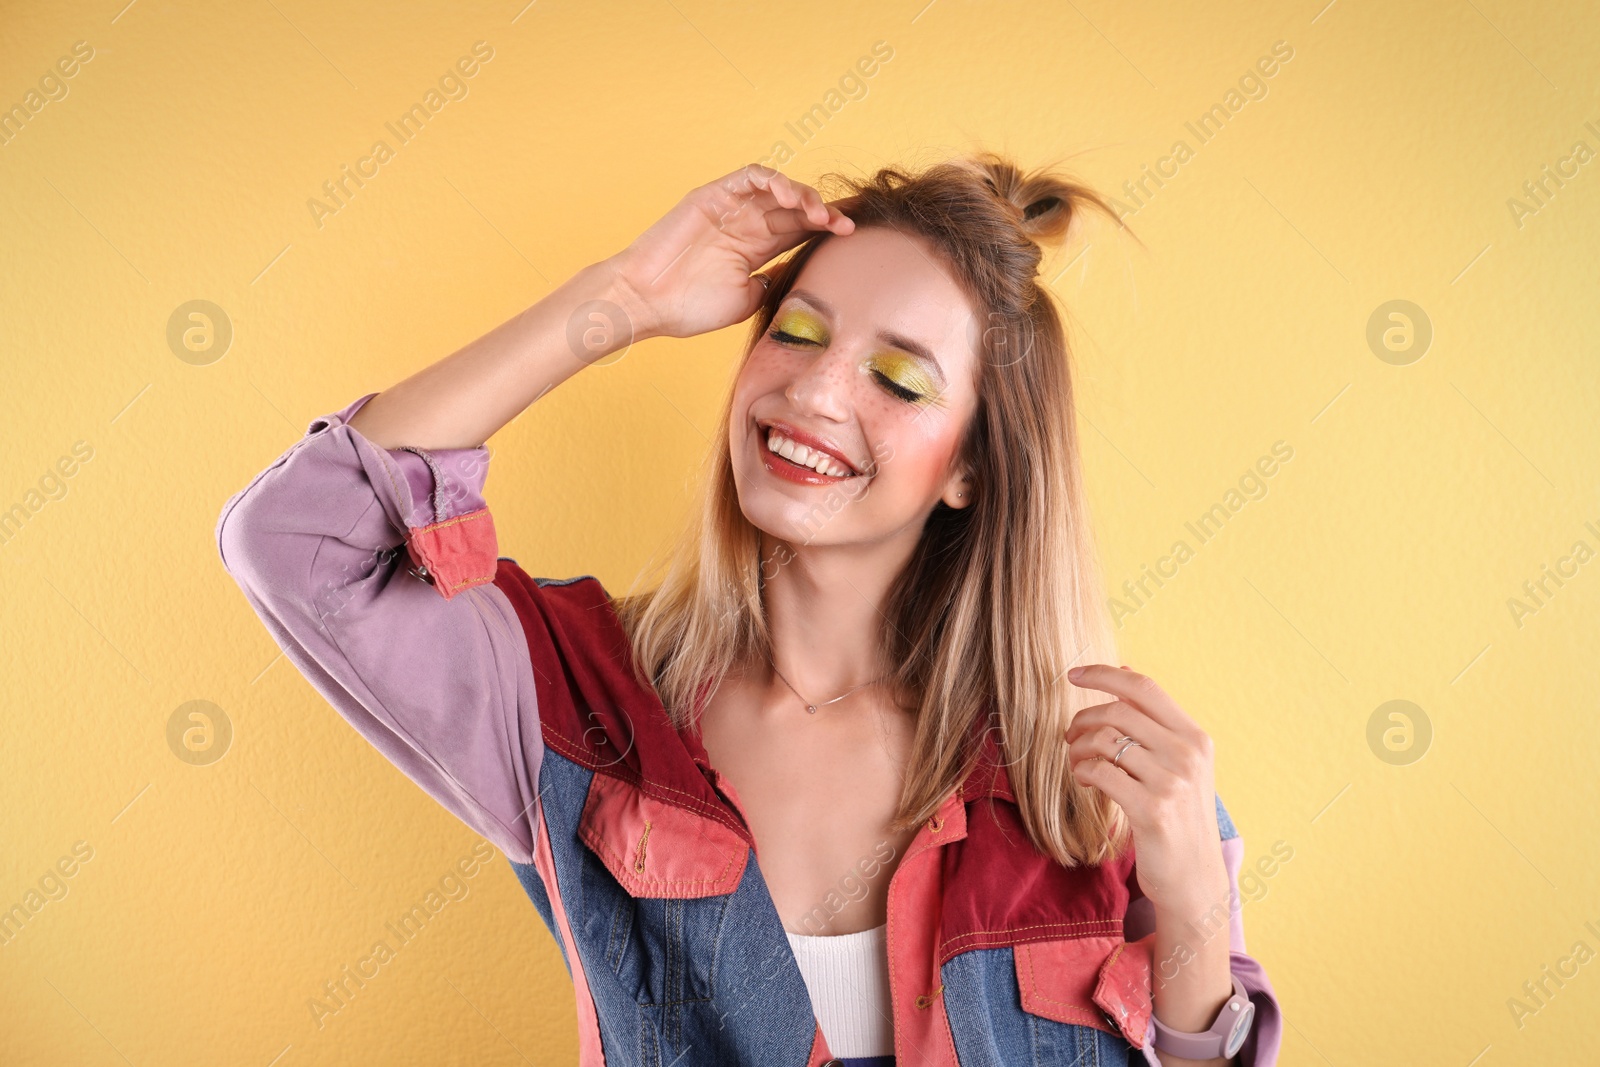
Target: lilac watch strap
[1224, 1038]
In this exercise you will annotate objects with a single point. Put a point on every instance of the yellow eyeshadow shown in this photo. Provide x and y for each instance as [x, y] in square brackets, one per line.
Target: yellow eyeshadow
[900, 368]
[801, 324]
[905, 371]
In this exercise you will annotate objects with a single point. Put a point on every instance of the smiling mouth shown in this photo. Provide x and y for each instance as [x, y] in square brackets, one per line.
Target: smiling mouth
[789, 457]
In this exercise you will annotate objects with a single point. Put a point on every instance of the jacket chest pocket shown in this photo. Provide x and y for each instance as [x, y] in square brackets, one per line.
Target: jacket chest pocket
[656, 883]
[1099, 982]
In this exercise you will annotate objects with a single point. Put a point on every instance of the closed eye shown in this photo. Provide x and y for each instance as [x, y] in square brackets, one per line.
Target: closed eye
[909, 395]
[895, 389]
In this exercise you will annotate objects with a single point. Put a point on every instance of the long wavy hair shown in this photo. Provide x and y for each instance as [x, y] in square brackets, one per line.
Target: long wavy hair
[999, 598]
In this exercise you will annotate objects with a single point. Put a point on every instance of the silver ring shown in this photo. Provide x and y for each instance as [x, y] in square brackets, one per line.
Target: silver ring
[1130, 743]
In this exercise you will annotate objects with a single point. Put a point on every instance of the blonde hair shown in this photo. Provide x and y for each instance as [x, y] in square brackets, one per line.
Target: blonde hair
[999, 598]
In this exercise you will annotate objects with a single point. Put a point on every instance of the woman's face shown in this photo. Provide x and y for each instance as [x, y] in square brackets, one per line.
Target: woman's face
[870, 360]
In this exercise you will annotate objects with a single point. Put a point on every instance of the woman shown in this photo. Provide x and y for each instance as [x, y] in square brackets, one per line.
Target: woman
[830, 792]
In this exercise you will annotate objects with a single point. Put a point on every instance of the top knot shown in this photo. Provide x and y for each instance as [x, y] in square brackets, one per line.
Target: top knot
[1042, 202]
[992, 220]
[1039, 207]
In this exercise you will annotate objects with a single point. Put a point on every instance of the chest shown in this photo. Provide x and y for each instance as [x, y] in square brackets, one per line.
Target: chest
[819, 793]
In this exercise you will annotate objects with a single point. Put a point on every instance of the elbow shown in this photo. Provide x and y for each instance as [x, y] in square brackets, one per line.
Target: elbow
[236, 536]
[257, 545]
[299, 547]
[270, 530]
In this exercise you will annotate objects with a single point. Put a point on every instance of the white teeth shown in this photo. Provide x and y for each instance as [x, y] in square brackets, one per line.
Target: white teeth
[799, 454]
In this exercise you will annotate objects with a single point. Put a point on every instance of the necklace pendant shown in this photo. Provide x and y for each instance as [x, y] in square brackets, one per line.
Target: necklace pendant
[812, 708]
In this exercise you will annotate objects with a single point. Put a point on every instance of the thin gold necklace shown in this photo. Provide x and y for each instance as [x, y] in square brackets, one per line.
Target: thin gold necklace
[812, 708]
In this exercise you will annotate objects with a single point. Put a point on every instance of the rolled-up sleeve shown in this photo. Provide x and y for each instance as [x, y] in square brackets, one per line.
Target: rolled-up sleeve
[373, 569]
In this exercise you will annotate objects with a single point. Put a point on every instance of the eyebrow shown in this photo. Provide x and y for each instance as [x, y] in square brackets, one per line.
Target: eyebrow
[888, 337]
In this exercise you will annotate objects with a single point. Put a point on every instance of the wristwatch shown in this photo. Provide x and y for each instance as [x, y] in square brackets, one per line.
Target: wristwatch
[1225, 1037]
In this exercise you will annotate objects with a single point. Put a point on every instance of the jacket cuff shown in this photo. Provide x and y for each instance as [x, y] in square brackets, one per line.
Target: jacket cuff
[455, 554]
[1125, 993]
[449, 532]
[1260, 1049]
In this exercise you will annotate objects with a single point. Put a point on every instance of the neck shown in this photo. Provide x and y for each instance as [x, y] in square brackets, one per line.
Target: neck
[825, 612]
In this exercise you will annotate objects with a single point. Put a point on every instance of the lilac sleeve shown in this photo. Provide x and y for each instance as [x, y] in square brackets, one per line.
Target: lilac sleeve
[1260, 1049]
[1266, 1033]
[324, 545]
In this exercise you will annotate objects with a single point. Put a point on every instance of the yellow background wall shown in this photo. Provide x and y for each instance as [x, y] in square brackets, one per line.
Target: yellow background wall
[1420, 496]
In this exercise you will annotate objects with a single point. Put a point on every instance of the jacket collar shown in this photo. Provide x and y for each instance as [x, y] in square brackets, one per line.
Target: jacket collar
[988, 777]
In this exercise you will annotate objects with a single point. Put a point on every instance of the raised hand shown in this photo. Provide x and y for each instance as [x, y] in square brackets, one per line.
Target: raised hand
[691, 272]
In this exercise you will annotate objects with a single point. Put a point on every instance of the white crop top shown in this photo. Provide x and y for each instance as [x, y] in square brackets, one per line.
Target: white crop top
[847, 976]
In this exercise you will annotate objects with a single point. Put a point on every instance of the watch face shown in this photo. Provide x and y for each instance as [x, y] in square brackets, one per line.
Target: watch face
[1241, 1030]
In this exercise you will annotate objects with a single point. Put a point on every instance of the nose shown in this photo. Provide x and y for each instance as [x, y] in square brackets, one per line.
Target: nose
[822, 386]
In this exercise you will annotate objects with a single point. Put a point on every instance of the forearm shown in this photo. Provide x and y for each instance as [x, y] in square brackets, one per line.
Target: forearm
[1191, 976]
[461, 400]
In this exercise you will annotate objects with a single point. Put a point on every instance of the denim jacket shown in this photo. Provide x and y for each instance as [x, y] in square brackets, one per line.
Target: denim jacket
[511, 701]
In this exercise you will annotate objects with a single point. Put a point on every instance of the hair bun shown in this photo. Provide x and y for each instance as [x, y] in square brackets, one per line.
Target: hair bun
[1042, 201]
[1039, 207]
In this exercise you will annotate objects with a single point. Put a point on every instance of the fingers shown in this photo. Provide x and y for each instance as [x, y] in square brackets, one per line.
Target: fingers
[1136, 689]
[1130, 781]
[1096, 734]
[758, 285]
[1124, 719]
[784, 221]
[808, 203]
[746, 179]
[1114, 782]
[791, 193]
[796, 220]
[818, 210]
[1105, 742]
[790, 206]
